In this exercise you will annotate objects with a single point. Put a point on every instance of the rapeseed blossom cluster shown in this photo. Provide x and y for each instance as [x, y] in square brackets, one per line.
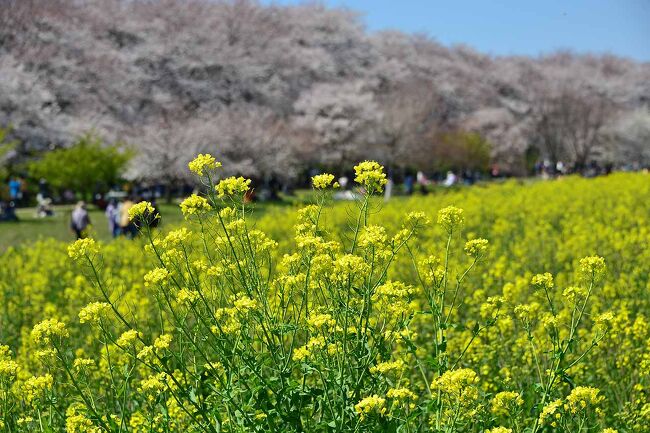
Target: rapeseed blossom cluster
[45, 331]
[141, 209]
[154, 385]
[307, 351]
[592, 267]
[359, 320]
[177, 237]
[203, 163]
[349, 267]
[373, 236]
[551, 413]
[8, 367]
[155, 277]
[543, 281]
[573, 294]
[384, 368]
[476, 247]
[93, 312]
[128, 338]
[505, 402]
[82, 248]
[401, 394]
[323, 181]
[451, 218]
[244, 304]
[499, 430]
[186, 296]
[603, 322]
[195, 205]
[83, 363]
[370, 175]
[458, 385]
[321, 321]
[77, 422]
[581, 397]
[416, 219]
[372, 404]
[36, 387]
[527, 313]
[233, 186]
[162, 342]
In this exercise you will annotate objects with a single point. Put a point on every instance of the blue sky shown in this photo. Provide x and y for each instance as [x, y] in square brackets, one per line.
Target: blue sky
[503, 27]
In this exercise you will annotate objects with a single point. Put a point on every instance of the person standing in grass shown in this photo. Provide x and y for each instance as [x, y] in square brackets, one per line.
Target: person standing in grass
[80, 220]
[127, 227]
[113, 216]
[15, 189]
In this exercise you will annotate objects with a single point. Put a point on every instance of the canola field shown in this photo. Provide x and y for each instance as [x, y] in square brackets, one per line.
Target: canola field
[502, 308]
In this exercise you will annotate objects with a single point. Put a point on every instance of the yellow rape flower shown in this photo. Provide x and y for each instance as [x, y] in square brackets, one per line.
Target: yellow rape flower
[503, 402]
[550, 411]
[319, 321]
[202, 163]
[542, 281]
[372, 404]
[162, 342]
[44, 331]
[583, 396]
[572, 293]
[401, 394]
[35, 387]
[194, 205]
[83, 363]
[373, 236]
[232, 186]
[384, 368]
[244, 304]
[177, 237]
[79, 423]
[154, 385]
[349, 266]
[458, 385]
[499, 430]
[370, 175]
[156, 276]
[187, 296]
[82, 248]
[8, 369]
[592, 267]
[476, 247]
[323, 181]
[451, 218]
[141, 209]
[306, 351]
[128, 338]
[416, 219]
[93, 312]
[25, 420]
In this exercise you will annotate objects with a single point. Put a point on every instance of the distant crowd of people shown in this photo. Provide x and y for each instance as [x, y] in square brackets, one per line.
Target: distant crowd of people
[547, 169]
[17, 189]
[116, 203]
[120, 222]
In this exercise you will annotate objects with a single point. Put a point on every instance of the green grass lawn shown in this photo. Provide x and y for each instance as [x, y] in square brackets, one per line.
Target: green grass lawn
[30, 228]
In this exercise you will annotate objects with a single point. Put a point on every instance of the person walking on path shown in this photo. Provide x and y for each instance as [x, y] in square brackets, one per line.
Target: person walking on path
[80, 220]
